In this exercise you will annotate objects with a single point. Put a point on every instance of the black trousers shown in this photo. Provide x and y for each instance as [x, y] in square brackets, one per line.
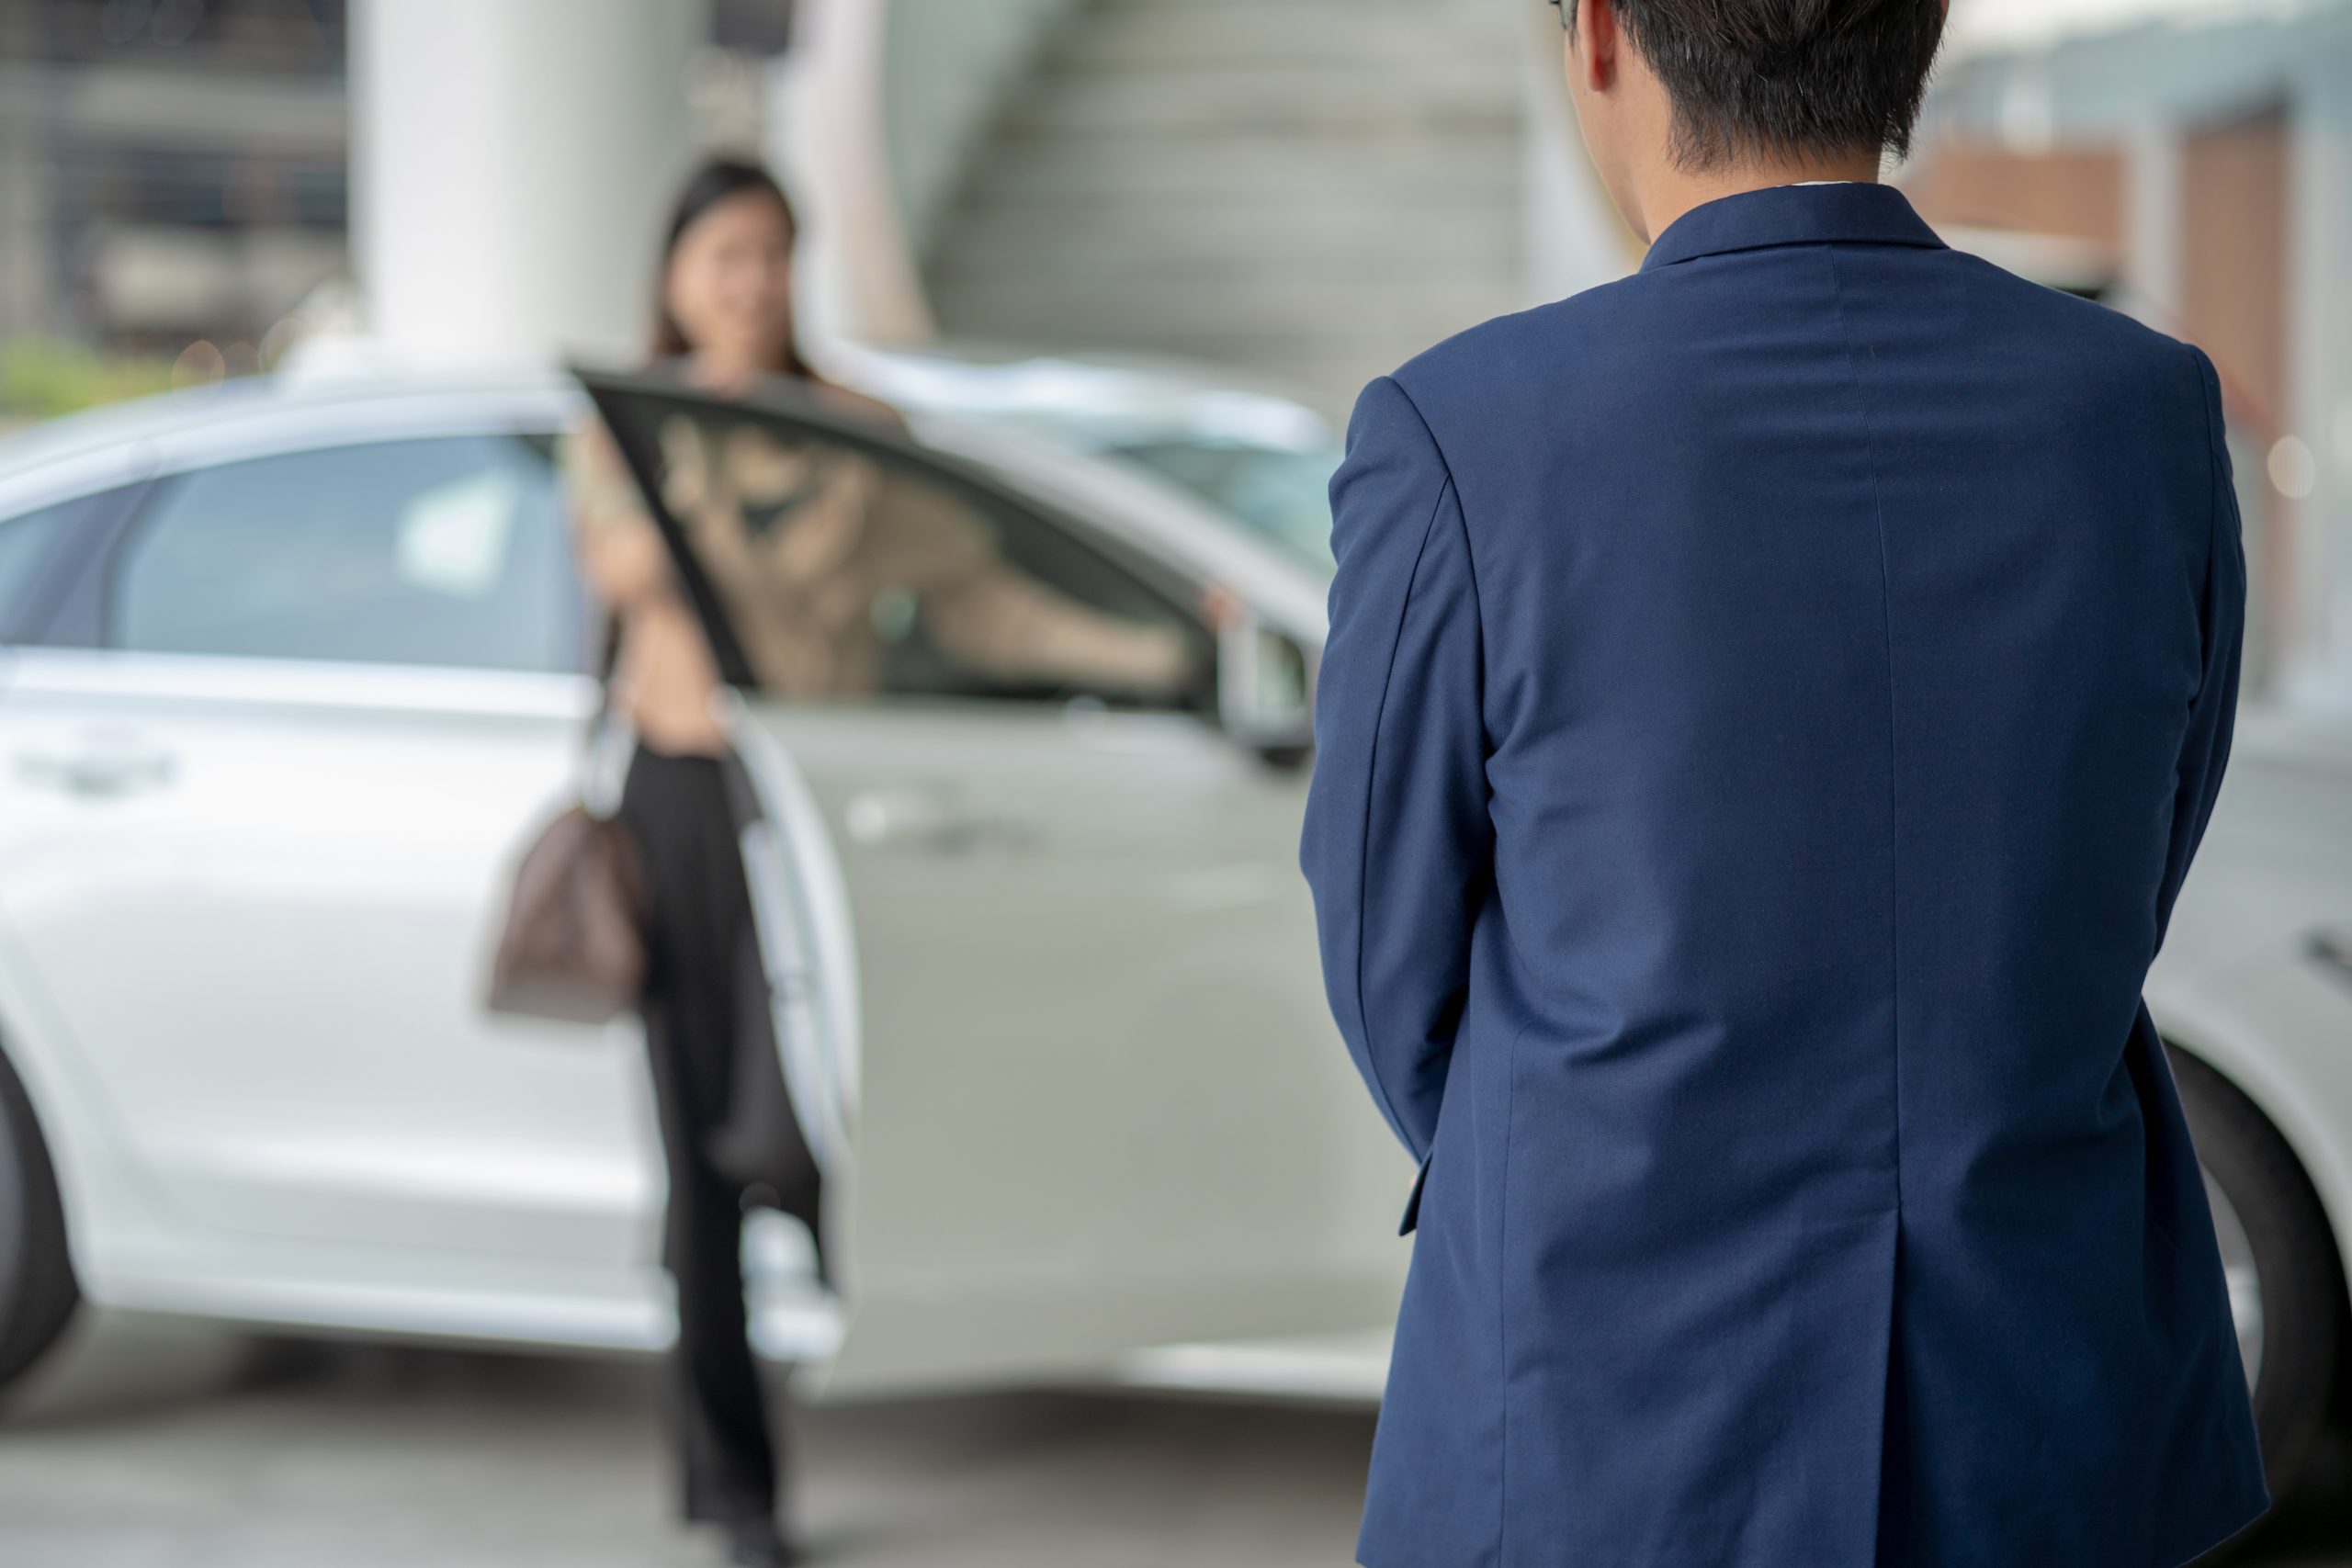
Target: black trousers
[677, 808]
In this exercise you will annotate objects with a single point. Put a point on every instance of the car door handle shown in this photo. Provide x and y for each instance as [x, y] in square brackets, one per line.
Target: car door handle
[934, 820]
[97, 770]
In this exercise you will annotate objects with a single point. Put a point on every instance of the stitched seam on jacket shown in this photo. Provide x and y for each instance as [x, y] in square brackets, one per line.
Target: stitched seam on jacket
[2213, 498]
[1886, 622]
[1895, 880]
[1371, 773]
[1470, 564]
[1477, 608]
[1510, 1056]
[1893, 877]
[1469, 556]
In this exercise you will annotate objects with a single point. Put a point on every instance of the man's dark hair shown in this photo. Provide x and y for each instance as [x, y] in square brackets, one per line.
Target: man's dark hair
[1776, 77]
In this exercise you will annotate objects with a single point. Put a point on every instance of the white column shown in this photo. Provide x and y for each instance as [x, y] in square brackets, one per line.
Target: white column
[2152, 234]
[857, 278]
[29, 301]
[512, 162]
[2319, 368]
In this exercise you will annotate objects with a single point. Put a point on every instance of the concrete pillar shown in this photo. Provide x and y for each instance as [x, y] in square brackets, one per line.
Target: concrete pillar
[28, 298]
[855, 275]
[28, 303]
[2152, 221]
[2318, 416]
[512, 162]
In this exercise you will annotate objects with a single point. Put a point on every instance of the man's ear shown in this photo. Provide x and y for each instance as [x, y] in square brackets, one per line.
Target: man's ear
[1592, 45]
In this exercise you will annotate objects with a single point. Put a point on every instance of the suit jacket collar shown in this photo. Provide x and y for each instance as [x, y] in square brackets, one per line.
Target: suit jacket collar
[1790, 215]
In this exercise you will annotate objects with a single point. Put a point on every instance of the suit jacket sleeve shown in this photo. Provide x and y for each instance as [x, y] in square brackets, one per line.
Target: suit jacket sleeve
[2221, 617]
[1397, 844]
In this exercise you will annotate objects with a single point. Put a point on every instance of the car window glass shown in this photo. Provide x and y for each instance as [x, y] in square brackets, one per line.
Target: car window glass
[853, 569]
[445, 551]
[1279, 493]
[25, 542]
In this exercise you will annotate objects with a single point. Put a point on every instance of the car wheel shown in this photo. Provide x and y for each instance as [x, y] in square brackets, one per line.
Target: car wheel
[2278, 1255]
[37, 1290]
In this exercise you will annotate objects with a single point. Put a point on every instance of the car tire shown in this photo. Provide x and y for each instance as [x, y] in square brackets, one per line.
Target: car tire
[2297, 1274]
[38, 1293]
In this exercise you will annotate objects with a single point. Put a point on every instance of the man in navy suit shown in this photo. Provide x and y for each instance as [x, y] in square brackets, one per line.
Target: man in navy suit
[1770, 704]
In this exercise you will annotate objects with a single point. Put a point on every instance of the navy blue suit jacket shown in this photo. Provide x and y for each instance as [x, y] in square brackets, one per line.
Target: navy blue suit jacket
[1770, 704]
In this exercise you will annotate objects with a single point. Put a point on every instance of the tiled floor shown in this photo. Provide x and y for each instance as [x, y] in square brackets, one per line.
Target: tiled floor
[193, 1453]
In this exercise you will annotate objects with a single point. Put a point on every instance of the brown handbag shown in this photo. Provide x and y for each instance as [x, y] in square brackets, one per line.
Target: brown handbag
[573, 947]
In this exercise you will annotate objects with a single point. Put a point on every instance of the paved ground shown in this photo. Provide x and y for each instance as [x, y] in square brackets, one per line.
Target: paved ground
[160, 1450]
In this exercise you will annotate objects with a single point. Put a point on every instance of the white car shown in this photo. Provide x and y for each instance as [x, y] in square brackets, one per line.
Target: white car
[2252, 993]
[288, 673]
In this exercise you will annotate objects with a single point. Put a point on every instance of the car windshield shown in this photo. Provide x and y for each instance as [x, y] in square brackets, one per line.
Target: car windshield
[1281, 494]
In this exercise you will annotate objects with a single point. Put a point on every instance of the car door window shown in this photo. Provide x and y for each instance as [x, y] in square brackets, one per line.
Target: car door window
[25, 541]
[854, 569]
[445, 551]
[1280, 494]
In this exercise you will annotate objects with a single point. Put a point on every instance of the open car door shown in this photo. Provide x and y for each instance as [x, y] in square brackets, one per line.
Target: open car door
[1050, 965]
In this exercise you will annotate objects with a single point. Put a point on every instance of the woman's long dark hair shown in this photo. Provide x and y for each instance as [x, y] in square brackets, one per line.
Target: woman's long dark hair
[715, 181]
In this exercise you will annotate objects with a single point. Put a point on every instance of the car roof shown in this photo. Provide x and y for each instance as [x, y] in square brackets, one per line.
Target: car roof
[193, 410]
[129, 441]
[1089, 398]
[1096, 397]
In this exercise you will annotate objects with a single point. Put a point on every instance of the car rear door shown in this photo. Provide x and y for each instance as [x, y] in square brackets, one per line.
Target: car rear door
[260, 782]
[1100, 1105]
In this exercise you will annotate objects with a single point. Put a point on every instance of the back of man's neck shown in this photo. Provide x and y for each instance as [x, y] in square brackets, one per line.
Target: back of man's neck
[1673, 191]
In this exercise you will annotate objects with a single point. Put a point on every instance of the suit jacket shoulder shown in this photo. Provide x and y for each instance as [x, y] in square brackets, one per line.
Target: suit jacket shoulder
[1559, 370]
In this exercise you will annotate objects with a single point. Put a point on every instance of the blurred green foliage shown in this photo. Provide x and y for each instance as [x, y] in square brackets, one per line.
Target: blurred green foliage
[43, 378]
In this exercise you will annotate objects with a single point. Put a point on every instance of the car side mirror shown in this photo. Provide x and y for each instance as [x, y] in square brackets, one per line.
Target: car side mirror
[1262, 696]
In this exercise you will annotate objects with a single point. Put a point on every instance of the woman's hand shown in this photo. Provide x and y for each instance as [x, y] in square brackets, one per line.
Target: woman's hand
[1221, 607]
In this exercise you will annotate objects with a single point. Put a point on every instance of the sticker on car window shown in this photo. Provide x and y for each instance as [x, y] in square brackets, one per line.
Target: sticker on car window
[453, 540]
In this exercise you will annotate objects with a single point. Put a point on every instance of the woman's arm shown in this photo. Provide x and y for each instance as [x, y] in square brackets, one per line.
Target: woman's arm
[1004, 622]
[621, 553]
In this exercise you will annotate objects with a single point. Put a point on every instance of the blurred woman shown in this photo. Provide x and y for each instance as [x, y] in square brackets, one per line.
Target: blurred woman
[803, 545]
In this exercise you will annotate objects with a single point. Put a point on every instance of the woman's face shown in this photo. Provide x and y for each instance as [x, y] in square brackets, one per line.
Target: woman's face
[729, 282]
